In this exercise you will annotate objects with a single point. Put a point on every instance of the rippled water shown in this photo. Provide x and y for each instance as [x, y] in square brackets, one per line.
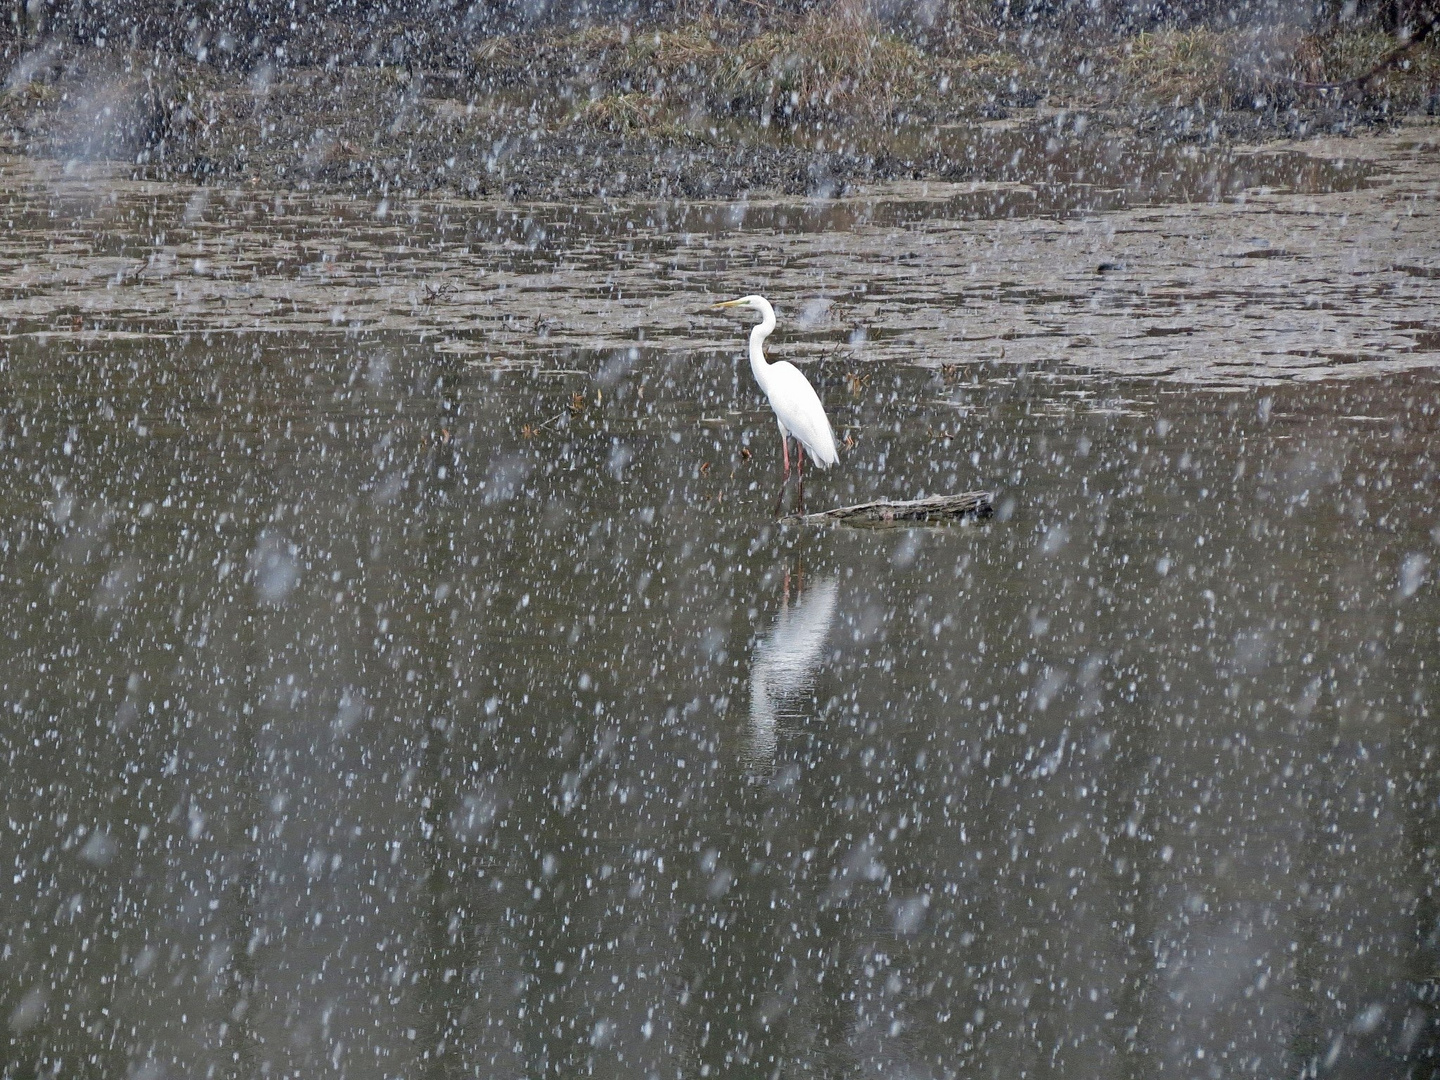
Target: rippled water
[1185, 265]
[374, 712]
[350, 729]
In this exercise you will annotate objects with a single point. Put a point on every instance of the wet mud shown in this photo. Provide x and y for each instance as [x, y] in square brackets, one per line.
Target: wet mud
[1295, 260]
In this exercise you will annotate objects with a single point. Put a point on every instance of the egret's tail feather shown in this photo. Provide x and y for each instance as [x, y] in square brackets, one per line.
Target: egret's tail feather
[823, 452]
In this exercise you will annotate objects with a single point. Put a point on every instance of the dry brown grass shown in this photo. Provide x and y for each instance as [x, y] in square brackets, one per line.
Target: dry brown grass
[841, 57]
[619, 112]
[1232, 67]
[1350, 54]
[993, 65]
[840, 61]
[699, 44]
[1191, 65]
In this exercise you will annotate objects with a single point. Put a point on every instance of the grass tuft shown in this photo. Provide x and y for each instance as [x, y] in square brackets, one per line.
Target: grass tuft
[825, 61]
[1352, 53]
[1190, 65]
[619, 112]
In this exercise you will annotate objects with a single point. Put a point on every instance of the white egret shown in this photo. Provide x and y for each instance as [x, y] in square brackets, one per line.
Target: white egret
[797, 407]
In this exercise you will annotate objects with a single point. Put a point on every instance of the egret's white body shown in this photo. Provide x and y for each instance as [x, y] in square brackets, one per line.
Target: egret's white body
[797, 407]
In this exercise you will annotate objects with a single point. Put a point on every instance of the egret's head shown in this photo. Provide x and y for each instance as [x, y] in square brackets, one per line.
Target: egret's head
[758, 303]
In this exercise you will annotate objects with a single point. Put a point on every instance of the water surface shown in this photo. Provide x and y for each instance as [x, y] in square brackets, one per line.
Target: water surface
[352, 730]
[374, 708]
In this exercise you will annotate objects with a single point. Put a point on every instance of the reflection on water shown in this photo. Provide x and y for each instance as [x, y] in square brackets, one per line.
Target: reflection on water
[785, 660]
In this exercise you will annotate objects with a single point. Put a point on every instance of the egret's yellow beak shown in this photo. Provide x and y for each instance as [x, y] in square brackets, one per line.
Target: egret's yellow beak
[728, 303]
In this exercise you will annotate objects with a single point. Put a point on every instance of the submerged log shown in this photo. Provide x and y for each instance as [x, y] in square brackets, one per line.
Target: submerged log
[974, 504]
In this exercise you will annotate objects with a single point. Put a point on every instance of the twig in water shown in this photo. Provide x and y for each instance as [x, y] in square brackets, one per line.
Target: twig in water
[529, 431]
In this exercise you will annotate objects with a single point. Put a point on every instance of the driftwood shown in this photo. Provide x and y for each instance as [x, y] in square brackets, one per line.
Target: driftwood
[978, 504]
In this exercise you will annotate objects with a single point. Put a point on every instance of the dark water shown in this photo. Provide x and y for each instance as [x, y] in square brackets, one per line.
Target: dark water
[353, 726]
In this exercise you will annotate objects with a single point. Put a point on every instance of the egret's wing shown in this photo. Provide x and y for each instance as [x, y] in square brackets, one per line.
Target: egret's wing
[798, 407]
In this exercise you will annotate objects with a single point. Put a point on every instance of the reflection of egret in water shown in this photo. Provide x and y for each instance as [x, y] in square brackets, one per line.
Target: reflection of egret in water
[784, 662]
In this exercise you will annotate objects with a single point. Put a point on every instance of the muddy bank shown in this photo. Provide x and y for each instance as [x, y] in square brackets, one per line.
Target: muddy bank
[1299, 260]
[699, 109]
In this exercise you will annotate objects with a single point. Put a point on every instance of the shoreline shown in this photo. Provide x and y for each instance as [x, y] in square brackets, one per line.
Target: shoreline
[599, 114]
[1268, 284]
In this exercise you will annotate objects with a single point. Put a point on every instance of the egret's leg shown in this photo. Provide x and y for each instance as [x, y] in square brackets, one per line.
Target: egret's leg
[800, 460]
[785, 455]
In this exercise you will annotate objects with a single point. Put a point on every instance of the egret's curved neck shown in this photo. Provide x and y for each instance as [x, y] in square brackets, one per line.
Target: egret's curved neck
[757, 337]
